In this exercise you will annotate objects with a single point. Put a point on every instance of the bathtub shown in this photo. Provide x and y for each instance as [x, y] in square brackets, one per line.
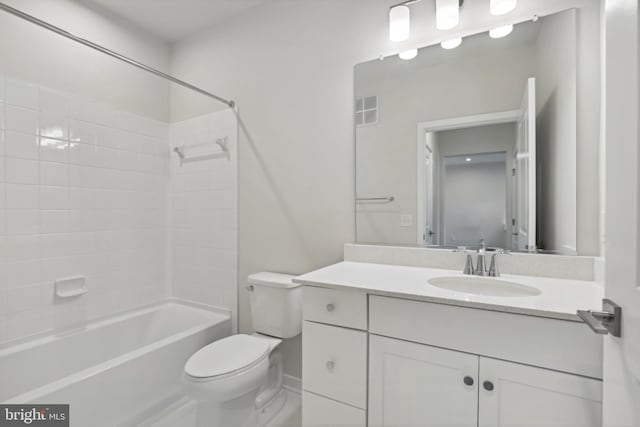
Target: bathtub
[113, 372]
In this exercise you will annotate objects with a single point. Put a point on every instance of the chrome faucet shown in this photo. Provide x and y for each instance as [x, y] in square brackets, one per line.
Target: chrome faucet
[481, 266]
[493, 268]
[468, 265]
[481, 269]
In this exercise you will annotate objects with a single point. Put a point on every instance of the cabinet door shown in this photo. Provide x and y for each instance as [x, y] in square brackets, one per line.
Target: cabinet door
[418, 385]
[318, 411]
[513, 395]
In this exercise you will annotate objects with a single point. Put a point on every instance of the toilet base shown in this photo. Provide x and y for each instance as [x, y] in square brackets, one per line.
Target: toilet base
[271, 409]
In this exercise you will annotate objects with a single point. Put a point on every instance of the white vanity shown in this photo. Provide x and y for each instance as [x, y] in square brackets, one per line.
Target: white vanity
[383, 347]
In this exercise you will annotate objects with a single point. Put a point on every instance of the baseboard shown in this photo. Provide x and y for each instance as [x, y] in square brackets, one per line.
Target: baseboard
[292, 383]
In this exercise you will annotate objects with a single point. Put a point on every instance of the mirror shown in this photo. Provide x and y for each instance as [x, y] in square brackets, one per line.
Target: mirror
[477, 142]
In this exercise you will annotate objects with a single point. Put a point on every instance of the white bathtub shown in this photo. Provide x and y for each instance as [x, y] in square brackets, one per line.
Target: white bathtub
[114, 371]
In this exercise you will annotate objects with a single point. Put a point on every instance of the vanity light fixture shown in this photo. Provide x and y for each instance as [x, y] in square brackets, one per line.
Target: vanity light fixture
[500, 32]
[447, 14]
[399, 23]
[468, 159]
[408, 54]
[452, 43]
[502, 7]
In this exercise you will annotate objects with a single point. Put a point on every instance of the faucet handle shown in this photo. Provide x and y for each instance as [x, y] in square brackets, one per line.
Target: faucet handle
[468, 266]
[493, 268]
[500, 251]
[462, 249]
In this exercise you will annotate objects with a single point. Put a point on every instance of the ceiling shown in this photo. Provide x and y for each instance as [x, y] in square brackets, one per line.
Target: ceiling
[172, 20]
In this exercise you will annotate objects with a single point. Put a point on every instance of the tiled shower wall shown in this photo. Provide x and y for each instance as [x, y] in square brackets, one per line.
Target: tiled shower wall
[203, 213]
[83, 191]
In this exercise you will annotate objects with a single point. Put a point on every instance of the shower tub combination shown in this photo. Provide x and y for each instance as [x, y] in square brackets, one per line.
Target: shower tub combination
[114, 372]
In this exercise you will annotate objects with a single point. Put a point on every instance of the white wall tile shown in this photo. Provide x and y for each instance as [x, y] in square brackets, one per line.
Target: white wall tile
[53, 150]
[21, 171]
[20, 119]
[84, 199]
[21, 221]
[203, 211]
[53, 125]
[21, 145]
[21, 94]
[54, 102]
[54, 198]
[52, 173]
[21, 196]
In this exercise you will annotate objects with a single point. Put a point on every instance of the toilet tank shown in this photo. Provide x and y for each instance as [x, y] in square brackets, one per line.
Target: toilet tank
[276, 304]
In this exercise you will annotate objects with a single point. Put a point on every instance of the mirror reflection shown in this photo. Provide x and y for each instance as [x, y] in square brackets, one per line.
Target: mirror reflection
[470, 143]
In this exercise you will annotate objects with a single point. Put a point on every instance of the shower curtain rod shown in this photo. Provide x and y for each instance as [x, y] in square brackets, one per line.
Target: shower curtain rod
[110, 52]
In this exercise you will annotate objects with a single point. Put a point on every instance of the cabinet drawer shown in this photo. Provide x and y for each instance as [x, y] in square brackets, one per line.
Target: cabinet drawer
[548, 343]
[334, 363]
[335, 307]
[318, 411]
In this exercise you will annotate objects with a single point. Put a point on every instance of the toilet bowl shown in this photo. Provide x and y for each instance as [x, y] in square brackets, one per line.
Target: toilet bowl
[237, 381]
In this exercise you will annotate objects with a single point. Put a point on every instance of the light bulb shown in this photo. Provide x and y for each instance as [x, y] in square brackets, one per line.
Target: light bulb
[408, 54]
[399, 23]
[499, 32]
[501, 7]
[452, 43]
[447, 14]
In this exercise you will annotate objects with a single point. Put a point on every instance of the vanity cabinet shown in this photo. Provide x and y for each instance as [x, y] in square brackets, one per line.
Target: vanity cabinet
[334, 365]
[379, 361]
[416, 385]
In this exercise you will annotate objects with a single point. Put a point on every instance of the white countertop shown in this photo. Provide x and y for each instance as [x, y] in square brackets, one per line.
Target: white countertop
[559, 298]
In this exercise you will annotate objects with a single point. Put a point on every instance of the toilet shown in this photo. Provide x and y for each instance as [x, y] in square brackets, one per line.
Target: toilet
[237, 381]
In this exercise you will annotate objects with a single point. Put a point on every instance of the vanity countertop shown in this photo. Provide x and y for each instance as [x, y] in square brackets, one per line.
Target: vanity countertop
[559, 298]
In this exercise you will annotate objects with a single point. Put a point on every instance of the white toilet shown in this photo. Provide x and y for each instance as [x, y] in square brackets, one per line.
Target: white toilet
[237, 381]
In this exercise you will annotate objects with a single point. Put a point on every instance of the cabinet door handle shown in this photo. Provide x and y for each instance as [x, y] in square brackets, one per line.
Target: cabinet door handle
[468, 380]
[488, 385]
[330, 365]
[330, 307]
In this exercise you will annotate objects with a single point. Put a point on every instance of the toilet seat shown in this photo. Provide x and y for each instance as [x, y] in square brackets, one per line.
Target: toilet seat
[227, 357]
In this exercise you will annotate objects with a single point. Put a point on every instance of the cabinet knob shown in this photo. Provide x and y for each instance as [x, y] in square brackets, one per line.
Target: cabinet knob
[488, 385]
[330, 307]
[468, 380]
[330, 365]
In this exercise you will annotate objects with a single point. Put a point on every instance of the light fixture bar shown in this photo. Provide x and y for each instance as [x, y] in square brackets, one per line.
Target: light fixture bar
[501, 7]
[447, 14]
[399, 23]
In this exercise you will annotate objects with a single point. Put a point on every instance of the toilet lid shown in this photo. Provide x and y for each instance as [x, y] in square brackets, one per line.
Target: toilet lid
[226, 355]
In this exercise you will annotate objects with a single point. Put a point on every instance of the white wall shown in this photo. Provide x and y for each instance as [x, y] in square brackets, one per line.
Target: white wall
[39, 56]
[556, 85]
[290, 67]
[203, 212]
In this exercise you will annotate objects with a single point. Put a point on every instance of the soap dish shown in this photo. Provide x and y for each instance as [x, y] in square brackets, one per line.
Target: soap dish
[69, 287]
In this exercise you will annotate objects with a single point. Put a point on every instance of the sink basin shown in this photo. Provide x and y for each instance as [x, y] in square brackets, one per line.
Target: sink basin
[484, 286]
